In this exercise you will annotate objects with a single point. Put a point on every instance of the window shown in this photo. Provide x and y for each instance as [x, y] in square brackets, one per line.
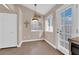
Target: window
[49, 24]
[36, 25]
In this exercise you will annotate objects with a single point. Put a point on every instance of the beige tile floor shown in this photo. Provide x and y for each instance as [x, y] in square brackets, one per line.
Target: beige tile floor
[31, 48]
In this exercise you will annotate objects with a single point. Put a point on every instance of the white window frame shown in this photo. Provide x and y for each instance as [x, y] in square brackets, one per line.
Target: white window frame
[35, 30]
[47, 27]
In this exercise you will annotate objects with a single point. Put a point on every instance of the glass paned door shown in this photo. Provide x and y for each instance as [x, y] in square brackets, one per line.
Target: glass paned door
[65, 30]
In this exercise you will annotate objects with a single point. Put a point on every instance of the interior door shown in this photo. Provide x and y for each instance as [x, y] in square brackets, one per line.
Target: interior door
[8, 30]
[65, 18]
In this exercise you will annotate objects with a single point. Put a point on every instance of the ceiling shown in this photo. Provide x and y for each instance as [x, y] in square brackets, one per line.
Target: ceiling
[41, 8]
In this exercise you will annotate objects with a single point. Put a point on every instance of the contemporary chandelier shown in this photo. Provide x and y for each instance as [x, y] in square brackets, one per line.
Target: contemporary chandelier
[35, 17]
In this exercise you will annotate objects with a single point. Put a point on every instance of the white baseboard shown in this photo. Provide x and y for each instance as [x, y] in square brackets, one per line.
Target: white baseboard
[36, 40]
[31, 40]
[50, 43]
[19, 45]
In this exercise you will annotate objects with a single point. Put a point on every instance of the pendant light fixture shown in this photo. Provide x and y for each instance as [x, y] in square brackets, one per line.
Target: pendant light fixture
[35, 15]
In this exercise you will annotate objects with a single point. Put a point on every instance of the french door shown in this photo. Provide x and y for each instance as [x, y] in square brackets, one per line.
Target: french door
[64, 31]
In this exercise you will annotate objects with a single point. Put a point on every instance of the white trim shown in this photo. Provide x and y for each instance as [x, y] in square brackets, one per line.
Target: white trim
[50, 43]
[6, 6]
[31, 40]
[19, 45]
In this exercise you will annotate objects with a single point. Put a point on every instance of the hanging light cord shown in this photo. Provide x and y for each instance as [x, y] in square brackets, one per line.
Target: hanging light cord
[35, 8]
[35, 15]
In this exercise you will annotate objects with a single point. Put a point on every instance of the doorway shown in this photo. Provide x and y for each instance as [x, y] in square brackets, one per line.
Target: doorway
[64, 27]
